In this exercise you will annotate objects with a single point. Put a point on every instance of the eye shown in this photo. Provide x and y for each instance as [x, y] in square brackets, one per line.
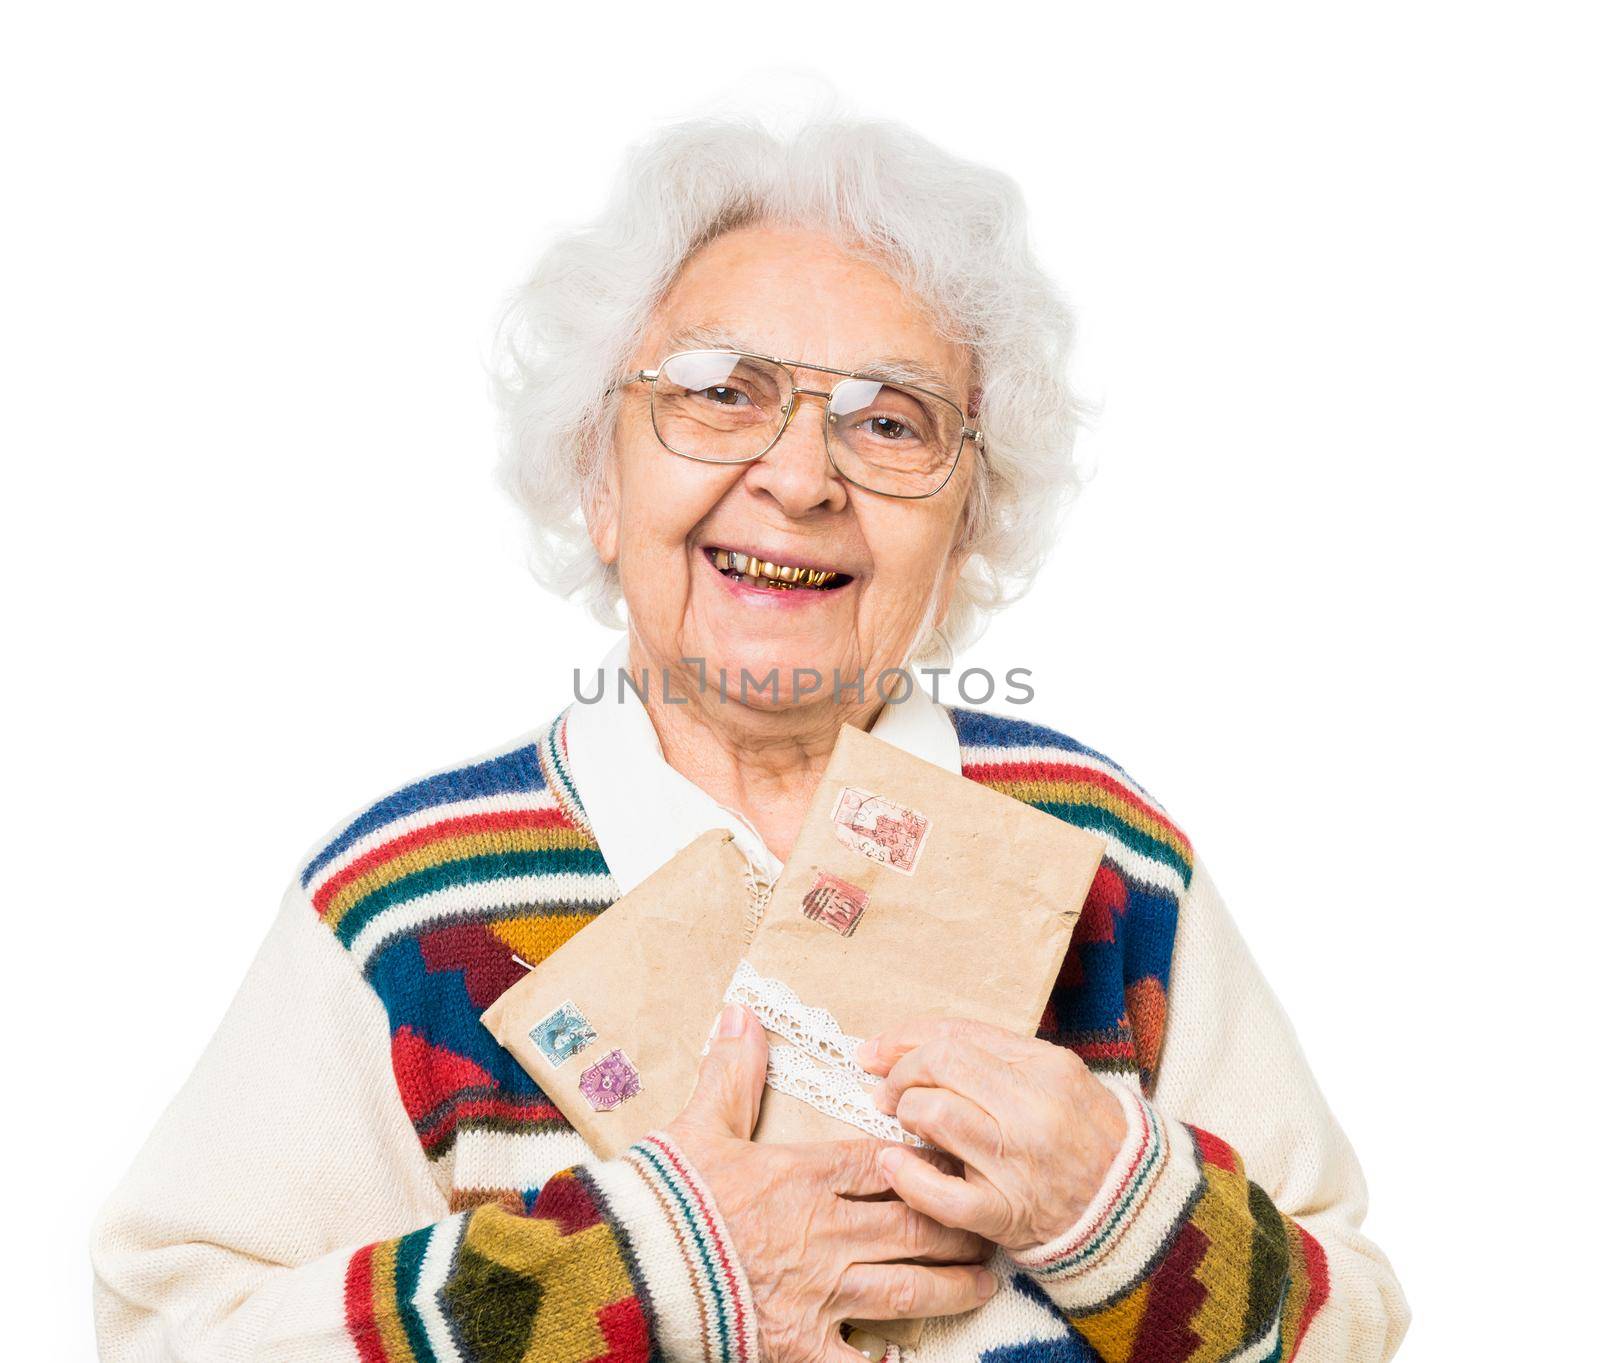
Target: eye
[890, 429]
[723, 396]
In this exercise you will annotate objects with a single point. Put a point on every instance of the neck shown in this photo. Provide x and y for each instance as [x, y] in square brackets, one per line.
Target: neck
[764, 763]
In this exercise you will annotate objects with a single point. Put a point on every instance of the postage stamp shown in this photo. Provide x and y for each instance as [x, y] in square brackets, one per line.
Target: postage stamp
[562, 1034]
[835, 902]
[889, 834]
[609, 1082]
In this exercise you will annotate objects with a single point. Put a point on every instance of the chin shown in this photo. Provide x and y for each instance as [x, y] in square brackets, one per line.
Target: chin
[805, 675]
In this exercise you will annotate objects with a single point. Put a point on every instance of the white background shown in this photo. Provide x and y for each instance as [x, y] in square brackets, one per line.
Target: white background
[1330, 595]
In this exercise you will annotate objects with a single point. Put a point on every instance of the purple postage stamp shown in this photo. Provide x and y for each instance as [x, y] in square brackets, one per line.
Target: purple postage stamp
[562, 1034]
[889, 834]
[609, 1082]
[835, 902]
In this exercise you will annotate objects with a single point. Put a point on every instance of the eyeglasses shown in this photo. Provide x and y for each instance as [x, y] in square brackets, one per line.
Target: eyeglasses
[731, 407]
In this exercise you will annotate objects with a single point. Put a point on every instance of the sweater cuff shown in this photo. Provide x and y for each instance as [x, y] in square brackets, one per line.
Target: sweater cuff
[698, 1295]
[1146, 1193]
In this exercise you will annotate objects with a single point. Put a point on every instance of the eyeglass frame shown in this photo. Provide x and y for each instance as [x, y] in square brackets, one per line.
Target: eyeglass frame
[795, 390]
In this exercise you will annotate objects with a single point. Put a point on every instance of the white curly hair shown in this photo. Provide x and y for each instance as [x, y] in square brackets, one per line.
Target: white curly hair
[950, 231]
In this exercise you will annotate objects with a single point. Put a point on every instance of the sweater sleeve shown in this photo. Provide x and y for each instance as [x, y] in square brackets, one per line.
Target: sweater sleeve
[282, 1211]
[1229, 1225]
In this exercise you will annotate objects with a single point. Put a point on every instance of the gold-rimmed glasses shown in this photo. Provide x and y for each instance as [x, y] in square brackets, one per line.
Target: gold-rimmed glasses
[732, 406]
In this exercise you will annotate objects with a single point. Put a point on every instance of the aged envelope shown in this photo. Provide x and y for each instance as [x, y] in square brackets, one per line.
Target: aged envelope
[913, 890]
[611, 1023]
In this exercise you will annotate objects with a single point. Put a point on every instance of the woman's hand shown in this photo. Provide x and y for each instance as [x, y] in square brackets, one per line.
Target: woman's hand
[815, 1251]
[1036, 1131]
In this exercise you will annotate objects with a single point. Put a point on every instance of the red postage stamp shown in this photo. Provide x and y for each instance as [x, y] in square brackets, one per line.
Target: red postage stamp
[609, 1082]
[880, 829]
[835, 902]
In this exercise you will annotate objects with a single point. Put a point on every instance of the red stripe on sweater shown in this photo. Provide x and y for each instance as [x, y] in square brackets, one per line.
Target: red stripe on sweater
[1317, 1275]
[360, 1315]
[706, 1217]
[1102, 1050]
[497, 821]
[1215, 1150]
[1069, 772]
[625, 1330]
[1165, 1334]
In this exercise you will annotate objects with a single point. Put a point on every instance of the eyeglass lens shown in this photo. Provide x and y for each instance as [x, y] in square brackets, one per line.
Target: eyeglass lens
[724, 407]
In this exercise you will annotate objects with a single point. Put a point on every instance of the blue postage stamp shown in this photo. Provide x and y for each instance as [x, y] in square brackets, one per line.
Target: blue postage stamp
[562, 1034]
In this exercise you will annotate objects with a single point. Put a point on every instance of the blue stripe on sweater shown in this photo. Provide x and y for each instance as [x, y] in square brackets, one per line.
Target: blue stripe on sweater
[513, 773]
[975, 729]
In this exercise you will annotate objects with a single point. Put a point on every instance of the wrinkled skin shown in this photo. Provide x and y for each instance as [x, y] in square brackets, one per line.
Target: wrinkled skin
[1035, 1131]
[815, 1246]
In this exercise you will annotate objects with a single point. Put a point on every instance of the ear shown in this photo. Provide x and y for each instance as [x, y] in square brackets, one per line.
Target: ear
[602, 511]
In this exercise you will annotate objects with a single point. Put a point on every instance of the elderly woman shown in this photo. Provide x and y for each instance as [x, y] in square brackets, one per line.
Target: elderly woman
[798, 402]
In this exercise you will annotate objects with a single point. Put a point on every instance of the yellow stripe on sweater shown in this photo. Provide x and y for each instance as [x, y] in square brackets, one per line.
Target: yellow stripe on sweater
[415, 859]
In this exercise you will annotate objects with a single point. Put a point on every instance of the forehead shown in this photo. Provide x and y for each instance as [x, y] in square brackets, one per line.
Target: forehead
[799, 295]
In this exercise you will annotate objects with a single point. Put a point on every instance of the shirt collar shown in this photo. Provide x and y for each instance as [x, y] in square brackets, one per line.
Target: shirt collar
[643, 810]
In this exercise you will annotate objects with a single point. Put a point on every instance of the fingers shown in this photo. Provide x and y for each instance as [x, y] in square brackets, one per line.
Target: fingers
[950, 1201]
[903, 1291]
[955, 1124]
[958, 1063]
[851, 1167]
[881, 1231]
[727, 1092]
[879, 1053]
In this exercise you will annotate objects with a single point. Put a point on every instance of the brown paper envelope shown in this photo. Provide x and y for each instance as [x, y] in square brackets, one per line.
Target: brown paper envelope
[647, 976]
[913, 890]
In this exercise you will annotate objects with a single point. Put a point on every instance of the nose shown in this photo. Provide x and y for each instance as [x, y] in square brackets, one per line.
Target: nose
[796, 472]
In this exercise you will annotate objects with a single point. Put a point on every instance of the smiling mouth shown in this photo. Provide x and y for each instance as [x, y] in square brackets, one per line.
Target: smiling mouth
[757, 572]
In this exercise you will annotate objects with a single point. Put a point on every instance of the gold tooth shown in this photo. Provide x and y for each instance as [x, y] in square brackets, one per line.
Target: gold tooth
[776, 574]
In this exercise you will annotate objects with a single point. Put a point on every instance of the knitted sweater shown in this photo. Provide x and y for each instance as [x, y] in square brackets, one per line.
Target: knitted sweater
[356, 1172]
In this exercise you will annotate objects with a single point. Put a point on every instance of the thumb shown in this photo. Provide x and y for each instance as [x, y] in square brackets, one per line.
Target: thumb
[727, 1093]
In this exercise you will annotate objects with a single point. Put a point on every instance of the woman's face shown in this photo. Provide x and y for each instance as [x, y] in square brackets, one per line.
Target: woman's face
[662, 519]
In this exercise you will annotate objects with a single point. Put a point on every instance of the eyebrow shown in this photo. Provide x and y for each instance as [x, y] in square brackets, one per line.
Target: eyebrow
[896, 368]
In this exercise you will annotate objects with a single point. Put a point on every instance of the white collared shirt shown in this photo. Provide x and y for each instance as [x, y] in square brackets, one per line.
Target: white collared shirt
[643, 810]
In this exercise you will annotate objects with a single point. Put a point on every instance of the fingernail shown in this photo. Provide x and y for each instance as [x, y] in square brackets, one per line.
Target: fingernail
[987, 1283]
[890, 1160]
[867, 1344]
[731, 1023]
[866, 1052]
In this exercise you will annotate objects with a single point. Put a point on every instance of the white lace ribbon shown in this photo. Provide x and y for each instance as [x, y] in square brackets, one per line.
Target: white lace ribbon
[818, 1066]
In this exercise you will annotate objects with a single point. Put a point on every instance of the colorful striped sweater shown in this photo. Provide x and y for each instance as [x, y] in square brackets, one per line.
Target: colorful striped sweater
[511, 1242]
